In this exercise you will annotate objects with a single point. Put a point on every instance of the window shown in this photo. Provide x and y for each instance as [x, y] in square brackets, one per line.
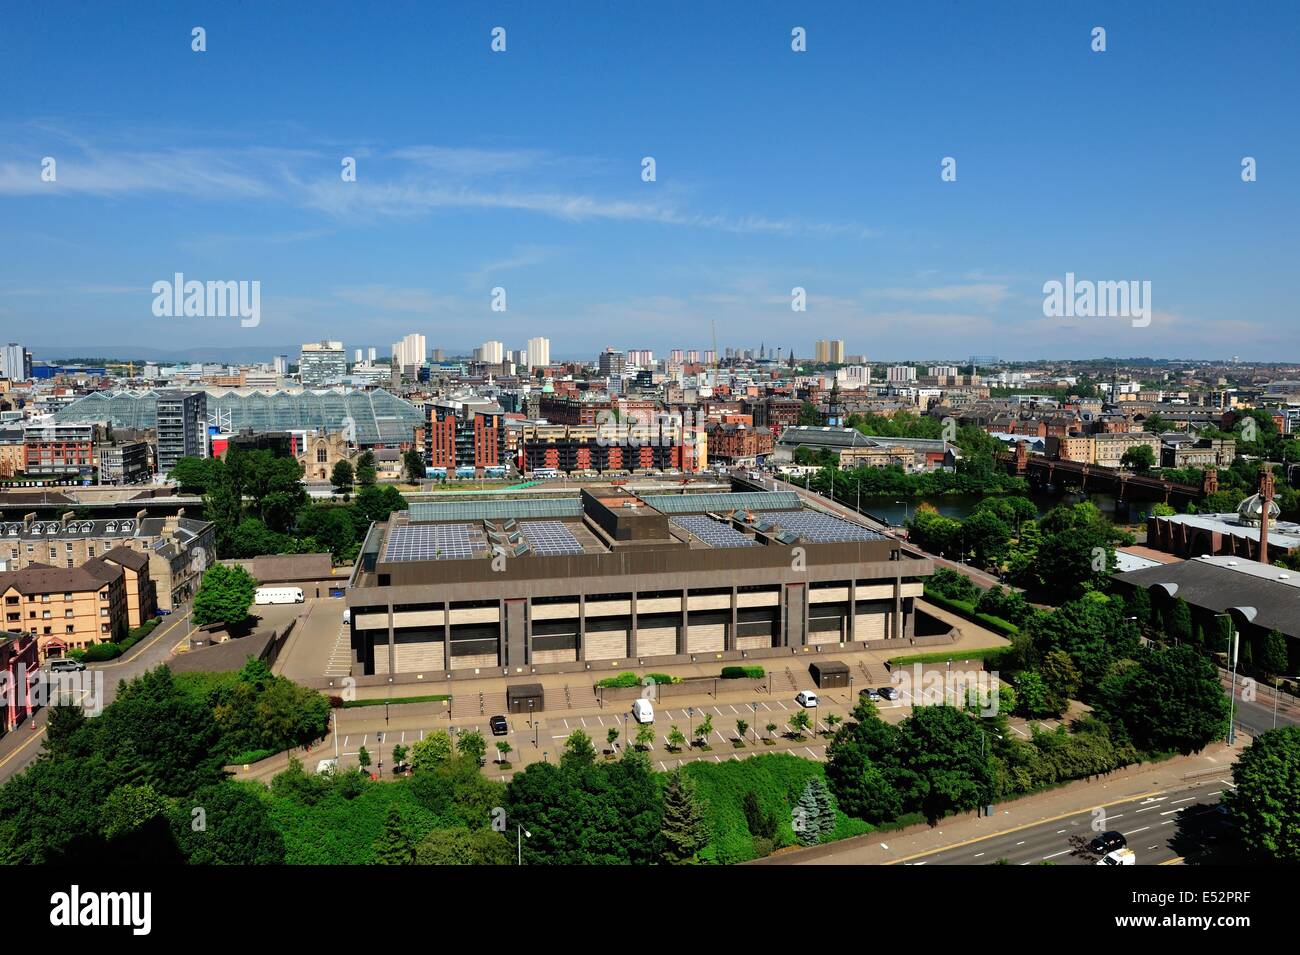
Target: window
[322, 455]
[103, 595]
[69, 629]
[103, 611]
[103, 628]
[45, 615]
[67, 614]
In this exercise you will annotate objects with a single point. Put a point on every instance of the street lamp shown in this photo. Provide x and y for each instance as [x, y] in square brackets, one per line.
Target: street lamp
[520, 835]
[1232, 695]
[379, 739]
[904, 503]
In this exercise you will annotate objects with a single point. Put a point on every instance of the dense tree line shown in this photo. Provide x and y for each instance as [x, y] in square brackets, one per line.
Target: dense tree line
[259, 505]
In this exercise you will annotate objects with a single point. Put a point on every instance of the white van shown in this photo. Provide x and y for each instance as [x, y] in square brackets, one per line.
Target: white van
[643, 711]
[278, 595]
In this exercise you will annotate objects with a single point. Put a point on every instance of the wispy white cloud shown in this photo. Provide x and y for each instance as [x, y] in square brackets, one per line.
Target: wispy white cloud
[406, 182]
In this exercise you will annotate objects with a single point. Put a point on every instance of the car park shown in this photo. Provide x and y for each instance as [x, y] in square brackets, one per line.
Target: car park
[499, 725]
[806, 698]
[870, 693]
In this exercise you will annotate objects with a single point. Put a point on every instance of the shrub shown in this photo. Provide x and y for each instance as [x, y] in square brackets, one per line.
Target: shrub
[98, 652]
[622, 680]
[740, 673]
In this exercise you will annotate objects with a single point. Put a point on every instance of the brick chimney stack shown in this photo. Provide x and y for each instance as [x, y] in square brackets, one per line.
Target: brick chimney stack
[1265, 501]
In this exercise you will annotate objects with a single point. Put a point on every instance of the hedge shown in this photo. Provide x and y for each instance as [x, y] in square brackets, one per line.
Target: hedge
[740, 673]
[988, 654]
[435, 698]
[964, 609]
[631, 679]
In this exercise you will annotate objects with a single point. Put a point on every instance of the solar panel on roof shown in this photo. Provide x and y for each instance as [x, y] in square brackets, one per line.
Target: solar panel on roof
[815, 526]
[434, 542]
[550, 538]
[714, 533]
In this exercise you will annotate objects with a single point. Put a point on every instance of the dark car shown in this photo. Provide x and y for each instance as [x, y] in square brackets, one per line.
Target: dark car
[161, 612]
[1108, 842]
[870, 693]
[888, 693]
[65, 666]
[499, 726]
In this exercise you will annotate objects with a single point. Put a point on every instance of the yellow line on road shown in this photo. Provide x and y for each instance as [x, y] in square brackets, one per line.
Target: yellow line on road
[1028, 825]
[1173, 861]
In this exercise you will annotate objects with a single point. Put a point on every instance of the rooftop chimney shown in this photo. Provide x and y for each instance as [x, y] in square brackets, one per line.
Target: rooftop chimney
[1265, 501]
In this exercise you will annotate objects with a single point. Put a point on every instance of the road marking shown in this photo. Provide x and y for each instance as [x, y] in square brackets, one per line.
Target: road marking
[1173, 861]
[810, 752]
[1187, 799]
[1061, 853]
[1136, 831]
[1007, 832]
[1171, 812]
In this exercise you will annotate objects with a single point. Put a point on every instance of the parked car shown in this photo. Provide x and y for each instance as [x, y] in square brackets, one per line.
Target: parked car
[500, 726]
[161, 612]
[65, 666]
[870, 693]
[1108, 842]
[643, 711]
[888, 693]
[806, 698]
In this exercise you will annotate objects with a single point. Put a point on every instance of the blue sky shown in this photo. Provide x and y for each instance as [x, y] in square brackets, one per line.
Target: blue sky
[775, 169]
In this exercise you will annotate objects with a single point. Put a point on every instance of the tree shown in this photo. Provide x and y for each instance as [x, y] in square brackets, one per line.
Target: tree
[799, 723]
[63, 721]
[193, 475]
[813, 816]
[832, 720]
[1140, 458]
[771, 729]
[432, 751]
[1178, 623]
[611, 737]
[394, 845]
[762, 824]
[684, 832]
[342, 477]
[413, 465]
[129, 808]
[471, 745]
[224, 596]
[942, 763]
[578, 749]
[463, 846]
[676, 739]
[860, 761]
[645, 736]
[1061, 680]
[704, 730]
[742, 727]
[1273, 655]
[366, 473]
[226, 824]
[1167, 699]
[399, 755]
[363, 759]
[504, 749]
[1265, 798]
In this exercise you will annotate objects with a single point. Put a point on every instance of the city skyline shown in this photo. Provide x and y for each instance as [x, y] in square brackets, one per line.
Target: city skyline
[826, 177]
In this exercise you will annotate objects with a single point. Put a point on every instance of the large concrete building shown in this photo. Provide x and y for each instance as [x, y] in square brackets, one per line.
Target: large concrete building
[611, 578]
[322, 363]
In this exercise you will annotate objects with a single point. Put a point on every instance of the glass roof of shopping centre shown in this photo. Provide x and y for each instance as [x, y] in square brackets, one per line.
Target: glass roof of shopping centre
[480, 510]
[377, 416]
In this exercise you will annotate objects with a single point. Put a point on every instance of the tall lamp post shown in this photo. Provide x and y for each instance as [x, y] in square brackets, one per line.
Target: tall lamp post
[1232, 695]
[520, 834]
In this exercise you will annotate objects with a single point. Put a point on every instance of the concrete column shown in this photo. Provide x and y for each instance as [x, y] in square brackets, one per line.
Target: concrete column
[853, 609]
[392, 644]
[730, 642]
[898, 606]
[516, 636]
[582, 629]
[446, 636]
[683, 632]
[631, 634]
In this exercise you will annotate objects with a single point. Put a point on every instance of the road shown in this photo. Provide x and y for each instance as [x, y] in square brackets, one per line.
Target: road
[1160, 829]
[22, 745]
[1263, 710]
